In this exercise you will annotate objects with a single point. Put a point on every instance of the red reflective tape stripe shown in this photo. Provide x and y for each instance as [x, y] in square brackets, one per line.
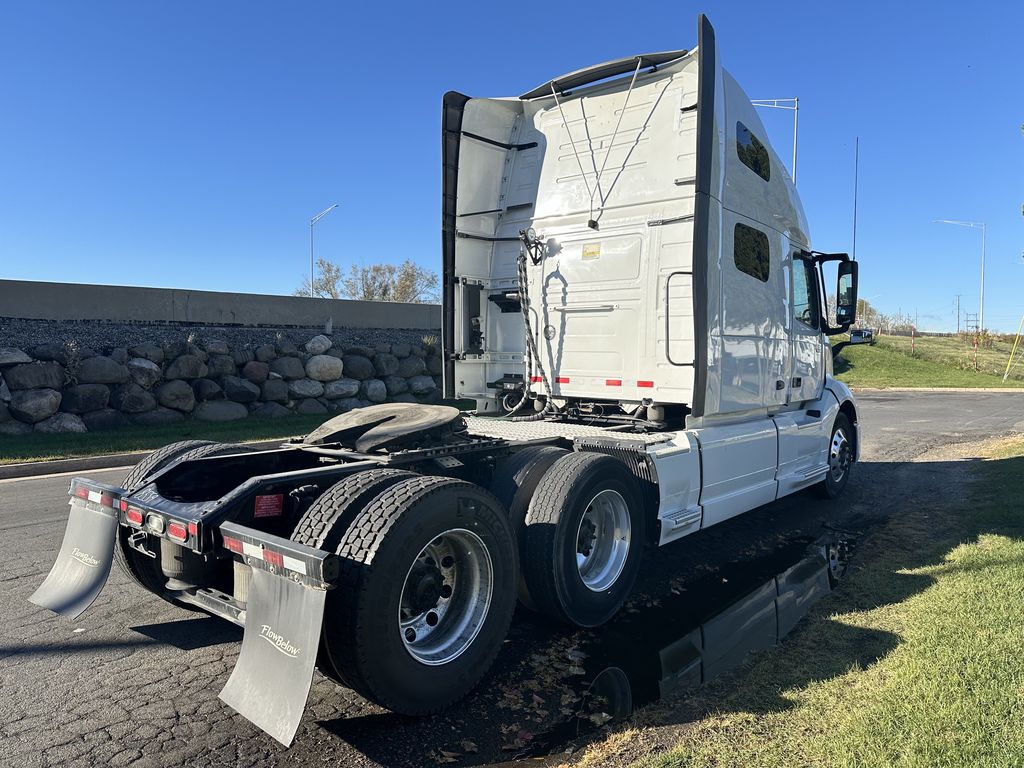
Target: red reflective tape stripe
[645, 384]
[82, 492]
[107, 501]
[535, 379]
[561, 379]
[274, 558]
[193, 528]
[233, 544]
[613, 382]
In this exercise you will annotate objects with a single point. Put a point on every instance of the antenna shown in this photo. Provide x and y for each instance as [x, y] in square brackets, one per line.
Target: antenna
[856, 174]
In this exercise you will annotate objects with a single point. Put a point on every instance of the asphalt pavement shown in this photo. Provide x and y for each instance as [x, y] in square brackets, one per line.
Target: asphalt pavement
[134, 680]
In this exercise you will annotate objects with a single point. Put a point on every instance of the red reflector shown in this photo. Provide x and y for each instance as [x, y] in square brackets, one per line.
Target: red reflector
[193, 528]
[274, 558]
[233, 544]
[271, 505]
[561, 379]
[124, 505]
[645, 384]
[535, 379]
[82, 492]
[177, 531]
[134, 516]
[613, 382]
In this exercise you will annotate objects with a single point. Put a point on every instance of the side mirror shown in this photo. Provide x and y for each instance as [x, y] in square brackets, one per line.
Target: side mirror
[846, 294]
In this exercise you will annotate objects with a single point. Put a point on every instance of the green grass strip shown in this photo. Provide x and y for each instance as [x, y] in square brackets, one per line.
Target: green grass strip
[42, 447]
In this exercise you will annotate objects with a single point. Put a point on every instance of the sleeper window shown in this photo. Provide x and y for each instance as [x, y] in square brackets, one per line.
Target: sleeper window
[752, 152]
[750, 252]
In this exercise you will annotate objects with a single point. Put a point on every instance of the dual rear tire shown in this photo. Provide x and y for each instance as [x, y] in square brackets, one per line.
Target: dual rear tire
[427, 586]
[582, 539]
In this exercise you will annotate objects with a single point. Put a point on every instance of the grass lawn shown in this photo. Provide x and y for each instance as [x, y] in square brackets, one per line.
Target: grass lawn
[922, 663]
[889, 364]
[40, 447]
[957, 352]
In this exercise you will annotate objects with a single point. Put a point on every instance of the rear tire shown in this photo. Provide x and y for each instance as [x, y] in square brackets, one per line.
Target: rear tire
[514, 482]
[840, 459]
[324, 524]
[584, 538]
[146, 571]
[390, 631]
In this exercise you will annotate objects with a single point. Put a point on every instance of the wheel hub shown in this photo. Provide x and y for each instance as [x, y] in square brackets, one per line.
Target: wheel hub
[426, 582]
[587, 537]
[840, 456]
[603, 540]
[446, 597]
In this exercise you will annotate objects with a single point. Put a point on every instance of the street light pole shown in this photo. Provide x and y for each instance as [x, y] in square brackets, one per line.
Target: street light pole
[792, 105]
[313, 221]
[975, 225]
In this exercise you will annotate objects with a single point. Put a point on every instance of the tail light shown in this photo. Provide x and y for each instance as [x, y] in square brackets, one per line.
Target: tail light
[133, 516]
[177, 531]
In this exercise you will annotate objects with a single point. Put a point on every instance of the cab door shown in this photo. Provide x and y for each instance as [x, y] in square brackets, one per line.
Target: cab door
[807, 363]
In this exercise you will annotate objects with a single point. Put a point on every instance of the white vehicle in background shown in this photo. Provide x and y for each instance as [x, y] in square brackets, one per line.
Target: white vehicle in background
[632, 301]
[862, 336]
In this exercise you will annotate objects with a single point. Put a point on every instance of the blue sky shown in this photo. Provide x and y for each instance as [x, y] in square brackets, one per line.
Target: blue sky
[187, 144]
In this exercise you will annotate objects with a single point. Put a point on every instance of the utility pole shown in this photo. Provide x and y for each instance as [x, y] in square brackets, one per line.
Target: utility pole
[975, 225]
[958, 314]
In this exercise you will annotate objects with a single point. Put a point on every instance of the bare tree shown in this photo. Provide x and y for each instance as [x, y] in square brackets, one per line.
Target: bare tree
[406, 282]
[325, 284]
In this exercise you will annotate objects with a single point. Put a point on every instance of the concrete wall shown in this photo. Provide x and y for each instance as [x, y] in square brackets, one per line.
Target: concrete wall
[67, 301]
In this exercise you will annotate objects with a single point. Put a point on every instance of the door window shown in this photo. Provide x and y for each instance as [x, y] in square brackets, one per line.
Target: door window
[804, 294]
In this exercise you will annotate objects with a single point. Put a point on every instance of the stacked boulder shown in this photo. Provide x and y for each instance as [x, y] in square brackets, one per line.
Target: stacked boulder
[58, 388]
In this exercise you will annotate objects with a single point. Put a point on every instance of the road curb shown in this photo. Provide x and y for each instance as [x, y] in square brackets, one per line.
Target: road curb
[87, 463]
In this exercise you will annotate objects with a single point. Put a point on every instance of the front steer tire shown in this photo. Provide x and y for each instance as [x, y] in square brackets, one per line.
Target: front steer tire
[146, 571]
[364, 637]
[840, 459]
[598, 487]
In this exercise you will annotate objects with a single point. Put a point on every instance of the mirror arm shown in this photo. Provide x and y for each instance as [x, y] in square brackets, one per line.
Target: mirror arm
[839, 347]
[820, 258]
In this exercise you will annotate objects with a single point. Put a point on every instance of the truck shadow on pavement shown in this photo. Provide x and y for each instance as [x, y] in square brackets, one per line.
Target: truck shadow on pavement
[191, 634]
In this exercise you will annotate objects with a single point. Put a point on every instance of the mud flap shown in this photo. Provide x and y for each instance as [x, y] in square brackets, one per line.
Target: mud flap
[83, 563]
[283, 616]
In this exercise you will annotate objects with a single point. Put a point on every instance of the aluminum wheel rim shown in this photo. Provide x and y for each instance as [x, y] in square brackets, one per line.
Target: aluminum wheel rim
[835, 561]
[839, 456]
[438, 633]
[602, 540]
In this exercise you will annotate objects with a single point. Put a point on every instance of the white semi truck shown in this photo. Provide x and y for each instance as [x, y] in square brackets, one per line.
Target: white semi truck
[631, 300]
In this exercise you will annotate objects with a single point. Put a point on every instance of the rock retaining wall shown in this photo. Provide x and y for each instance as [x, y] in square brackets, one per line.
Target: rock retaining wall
[64, 386]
